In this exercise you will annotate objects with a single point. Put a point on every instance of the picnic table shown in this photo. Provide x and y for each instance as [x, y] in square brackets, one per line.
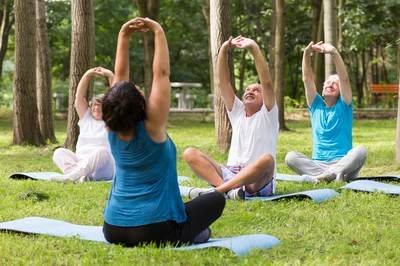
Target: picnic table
[185, 100]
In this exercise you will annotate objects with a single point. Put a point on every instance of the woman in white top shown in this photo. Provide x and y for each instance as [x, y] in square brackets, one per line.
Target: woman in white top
[93, 159]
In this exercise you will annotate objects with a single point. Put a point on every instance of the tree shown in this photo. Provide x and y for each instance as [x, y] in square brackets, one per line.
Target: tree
[330, 23]
[43, 76]
[25, 119]
[150, 9]
[206, 13]
[280, 65]
[319, 62]
[82, 59]
[220, 25]
[7, 20]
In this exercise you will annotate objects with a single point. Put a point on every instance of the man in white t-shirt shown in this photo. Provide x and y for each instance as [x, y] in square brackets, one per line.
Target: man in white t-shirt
[250, 170]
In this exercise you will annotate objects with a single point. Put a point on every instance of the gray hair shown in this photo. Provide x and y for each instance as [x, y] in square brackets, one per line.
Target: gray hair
[331, 77]
[96, 98]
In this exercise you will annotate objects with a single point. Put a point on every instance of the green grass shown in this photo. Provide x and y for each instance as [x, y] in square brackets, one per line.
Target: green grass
[350, 229]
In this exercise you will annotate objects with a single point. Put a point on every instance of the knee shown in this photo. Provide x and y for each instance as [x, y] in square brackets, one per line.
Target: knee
[189, 154]
[362, 152]
[58, 153]
[266, 160]
[102, 151]
[219, 200]
[290, 158]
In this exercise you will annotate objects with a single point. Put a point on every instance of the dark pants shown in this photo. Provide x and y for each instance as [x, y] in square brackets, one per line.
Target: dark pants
[201, 213]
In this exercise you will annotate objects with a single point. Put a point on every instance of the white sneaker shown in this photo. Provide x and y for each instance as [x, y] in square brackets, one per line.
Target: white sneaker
[309, 179]
[340, 178]
[71, 177]
[236, 194]
[195, 192]
[83, 179]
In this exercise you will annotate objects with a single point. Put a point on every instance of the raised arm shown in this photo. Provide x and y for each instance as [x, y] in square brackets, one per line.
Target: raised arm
[122, 56]
[344, 84]
[159, 102]
[81, 104]
[262, 70]
[157, 107]
[223, 78]
[308, 75]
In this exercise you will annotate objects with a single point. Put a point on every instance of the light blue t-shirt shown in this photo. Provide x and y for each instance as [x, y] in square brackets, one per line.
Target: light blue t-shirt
[145, 188]
[331, 129]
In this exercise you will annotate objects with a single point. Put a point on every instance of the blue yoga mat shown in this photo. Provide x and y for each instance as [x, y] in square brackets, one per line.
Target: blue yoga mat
[372, 186]
[240, 245]
[47, 175]
[380, 177]
[38, 175]
[286, 177]
[317, 195]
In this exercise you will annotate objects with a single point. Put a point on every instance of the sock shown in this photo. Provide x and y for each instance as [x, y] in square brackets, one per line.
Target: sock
[309, 179]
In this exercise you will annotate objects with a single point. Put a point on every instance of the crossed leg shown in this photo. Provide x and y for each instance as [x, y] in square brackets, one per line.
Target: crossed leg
[349, 165]
[254, 176]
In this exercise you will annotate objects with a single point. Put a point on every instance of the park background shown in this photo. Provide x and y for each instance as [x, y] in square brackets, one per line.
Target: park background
[353, 228]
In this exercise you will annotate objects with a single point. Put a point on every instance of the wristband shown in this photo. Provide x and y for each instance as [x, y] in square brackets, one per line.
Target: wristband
[335, 53]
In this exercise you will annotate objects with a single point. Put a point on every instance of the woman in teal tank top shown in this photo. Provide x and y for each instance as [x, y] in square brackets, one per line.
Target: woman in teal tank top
[145, 203]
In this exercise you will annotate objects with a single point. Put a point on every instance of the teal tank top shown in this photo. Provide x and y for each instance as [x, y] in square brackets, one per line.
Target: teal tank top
[145, 188]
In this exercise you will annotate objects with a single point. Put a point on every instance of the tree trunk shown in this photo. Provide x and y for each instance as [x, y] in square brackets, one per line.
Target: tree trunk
[150, 9]
[330, 23]
[340, 26]
[260, 30]
[25, 118]
[398, 60]
[280, 64]
[220, 25]
[377, 78]
[242, 72]
[398, 109]
[357, 79]
[383, 68]
[319, 62]
[272, 41]
[43, 76]
[398, 104]
[364, 63]
[206, 14]
[82, 59]
[317, 6]
[7, 20]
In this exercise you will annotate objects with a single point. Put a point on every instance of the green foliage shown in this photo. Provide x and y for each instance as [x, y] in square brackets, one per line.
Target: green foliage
[350, 229]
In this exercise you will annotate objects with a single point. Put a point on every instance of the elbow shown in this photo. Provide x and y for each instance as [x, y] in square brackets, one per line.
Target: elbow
[307, 79]
[76, 102]
[162, 72]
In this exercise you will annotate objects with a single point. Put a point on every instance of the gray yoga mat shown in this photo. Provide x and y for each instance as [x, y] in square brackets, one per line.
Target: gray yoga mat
[240, 245]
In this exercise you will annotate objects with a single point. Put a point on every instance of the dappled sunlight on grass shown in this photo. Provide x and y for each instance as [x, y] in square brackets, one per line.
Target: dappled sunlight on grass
[352, 228]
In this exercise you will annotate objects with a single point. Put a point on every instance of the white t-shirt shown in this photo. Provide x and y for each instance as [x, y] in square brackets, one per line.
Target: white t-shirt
[93, 134]
[252, 136]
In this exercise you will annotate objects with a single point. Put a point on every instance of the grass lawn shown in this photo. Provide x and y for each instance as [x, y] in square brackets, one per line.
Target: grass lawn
[350, 229]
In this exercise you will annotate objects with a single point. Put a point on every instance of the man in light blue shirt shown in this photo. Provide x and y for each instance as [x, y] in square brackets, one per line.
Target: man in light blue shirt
[333, 157]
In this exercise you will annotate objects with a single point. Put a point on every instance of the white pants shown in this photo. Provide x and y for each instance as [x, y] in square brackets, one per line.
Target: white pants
[350, 165]
[99, 165]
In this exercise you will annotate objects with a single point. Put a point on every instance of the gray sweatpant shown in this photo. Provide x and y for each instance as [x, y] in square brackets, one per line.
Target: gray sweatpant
[350, 165]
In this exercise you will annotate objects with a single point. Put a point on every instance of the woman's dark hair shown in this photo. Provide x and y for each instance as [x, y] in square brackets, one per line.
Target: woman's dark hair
[123, 107]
